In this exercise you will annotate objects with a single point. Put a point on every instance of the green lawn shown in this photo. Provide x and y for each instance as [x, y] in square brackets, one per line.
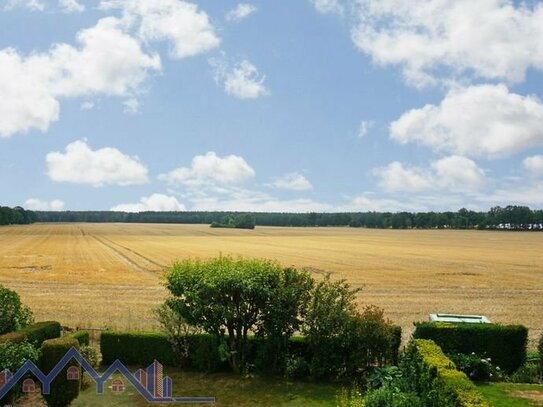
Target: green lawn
[229, 391]
[512, 394]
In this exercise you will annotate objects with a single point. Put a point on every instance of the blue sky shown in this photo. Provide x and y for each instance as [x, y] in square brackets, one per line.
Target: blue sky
[325, 105]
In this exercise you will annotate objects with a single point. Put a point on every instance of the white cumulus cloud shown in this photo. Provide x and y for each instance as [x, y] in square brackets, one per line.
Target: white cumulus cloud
[210, 169]
[188, 29]
[240, 12]
[451, 174]
[328, 6]
[293, 181]
[39, 205]
[155, 202]
[534, 165]
[71, 6]
[241, 80]
[484, 120]
[108, 61]
[105, 166]
[439, 39]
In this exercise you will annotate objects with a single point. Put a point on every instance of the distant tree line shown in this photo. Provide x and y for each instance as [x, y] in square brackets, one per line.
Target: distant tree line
[16, 216]
[507, 218]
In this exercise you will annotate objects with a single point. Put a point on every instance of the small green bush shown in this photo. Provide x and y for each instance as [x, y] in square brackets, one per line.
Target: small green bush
[477, 368]
[528, 373]
[12, 357]
[91, 355]
[296, 368]
[83, 337]
[34, 334]
[13, 314]
[505, 345]
[63, 391]
[433, 376]
[389, 397]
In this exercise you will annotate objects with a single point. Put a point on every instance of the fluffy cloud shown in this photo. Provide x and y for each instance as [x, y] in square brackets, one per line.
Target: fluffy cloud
[39, 205]
[27, 101]
[105, 166]
[210, 170]
[452, 174]
[485, 120]
[439, 39]
[293, 181]
[241, 11]
[241, 80]
[186, 27]
[328, 6]
[108, 61]
[534, 165]
[71, 6]
[155, 202]
[34, 5]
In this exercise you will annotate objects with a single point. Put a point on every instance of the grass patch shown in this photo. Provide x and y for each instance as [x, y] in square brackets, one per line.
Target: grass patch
[512, 394]
[230, 391]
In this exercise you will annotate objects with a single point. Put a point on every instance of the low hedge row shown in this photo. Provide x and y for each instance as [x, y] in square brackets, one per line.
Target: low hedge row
[83, 337]
[142, 348]
[63, 389]
[505, 345]
[34, 334]
[433, 376]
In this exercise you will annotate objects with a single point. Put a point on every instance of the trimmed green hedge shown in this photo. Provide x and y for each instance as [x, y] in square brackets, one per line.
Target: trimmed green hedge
[434, 377]
[83, 337]
[63, 391]
[505, 345]
[136, 348]
[34, 334]
[142, 348]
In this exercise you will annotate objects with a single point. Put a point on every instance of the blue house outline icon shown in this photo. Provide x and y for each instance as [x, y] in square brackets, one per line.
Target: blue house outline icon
[147, 392]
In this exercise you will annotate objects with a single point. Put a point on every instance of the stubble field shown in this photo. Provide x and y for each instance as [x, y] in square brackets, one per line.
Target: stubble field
[108, 275]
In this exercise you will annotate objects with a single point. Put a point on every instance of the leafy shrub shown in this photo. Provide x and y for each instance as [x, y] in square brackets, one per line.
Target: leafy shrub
[390, 397]
[91, 355]
[62, 391]
[12, 357]
[296, 368]
[34, 334]
[350, 397]
[387, 376]
[342, 340]
[528, 373]
[177, 330]
[477, 368]
[83, 337]
[504, 344]
[433, 376]
[13, 314]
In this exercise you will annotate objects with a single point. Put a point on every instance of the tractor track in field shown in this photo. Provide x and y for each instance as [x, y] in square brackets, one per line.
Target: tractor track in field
[147, 259]
[125, 259]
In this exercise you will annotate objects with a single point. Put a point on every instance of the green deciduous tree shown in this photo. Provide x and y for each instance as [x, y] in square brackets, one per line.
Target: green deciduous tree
[231, 298]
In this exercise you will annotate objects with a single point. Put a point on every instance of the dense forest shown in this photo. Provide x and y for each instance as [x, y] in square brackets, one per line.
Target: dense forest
[509, 218]
[16, 216]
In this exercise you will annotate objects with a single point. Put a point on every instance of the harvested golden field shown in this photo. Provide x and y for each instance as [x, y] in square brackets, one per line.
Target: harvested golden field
[96, 275]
